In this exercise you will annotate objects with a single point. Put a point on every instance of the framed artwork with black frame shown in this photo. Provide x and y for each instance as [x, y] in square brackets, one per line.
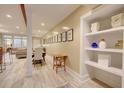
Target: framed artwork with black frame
[50, 39]
[70, 35]
[54, 39]
[64, 37]
[59, 37]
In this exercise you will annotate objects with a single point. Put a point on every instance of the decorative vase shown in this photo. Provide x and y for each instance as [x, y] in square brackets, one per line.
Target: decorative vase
[94, 45]
[102, 44]
[119, 44]
[95, 27]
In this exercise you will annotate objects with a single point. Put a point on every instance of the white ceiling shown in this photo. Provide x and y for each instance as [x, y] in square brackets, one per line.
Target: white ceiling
[8, 25]
[51, 15]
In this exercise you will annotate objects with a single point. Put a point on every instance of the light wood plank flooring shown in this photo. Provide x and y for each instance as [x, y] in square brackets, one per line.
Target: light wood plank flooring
[43, 77]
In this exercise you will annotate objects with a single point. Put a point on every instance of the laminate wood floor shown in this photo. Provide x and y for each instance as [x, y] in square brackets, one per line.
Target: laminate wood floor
[42, 77]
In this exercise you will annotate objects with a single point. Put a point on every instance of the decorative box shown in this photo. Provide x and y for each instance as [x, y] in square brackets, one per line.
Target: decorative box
[95, 27]
[104, 60]
[117, 20]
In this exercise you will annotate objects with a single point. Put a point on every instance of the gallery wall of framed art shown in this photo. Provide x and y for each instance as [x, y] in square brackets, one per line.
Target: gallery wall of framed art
[65, 36]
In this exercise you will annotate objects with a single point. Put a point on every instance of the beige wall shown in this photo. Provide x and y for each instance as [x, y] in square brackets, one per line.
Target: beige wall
[36, 42]
[72, 48]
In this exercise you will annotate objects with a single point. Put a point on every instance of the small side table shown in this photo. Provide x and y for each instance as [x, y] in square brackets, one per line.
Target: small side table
[59, 61]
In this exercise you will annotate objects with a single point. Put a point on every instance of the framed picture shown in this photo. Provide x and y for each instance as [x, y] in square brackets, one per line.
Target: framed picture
[59, 37]
[51, 40]
[70, 35]
[56, 38]
[64, 36]
[43, 41]
[48, 40]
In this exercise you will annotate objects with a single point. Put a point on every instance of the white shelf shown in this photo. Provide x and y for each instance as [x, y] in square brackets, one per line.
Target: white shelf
[103, 15]
[121, 28]
[105, 50]
[112, 70]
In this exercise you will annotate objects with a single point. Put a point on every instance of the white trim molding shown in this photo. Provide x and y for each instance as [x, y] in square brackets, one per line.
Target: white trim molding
[76, 76]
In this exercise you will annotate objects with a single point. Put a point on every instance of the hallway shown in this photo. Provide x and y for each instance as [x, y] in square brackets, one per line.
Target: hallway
[43, 77]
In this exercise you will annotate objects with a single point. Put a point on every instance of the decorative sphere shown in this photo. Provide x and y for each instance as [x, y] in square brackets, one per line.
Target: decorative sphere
[94, 45]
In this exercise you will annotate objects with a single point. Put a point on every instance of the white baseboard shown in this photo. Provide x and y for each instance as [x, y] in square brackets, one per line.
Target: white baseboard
[76, 76]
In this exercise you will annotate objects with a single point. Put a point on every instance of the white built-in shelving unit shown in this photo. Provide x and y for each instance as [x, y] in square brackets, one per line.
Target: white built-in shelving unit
[114, 74]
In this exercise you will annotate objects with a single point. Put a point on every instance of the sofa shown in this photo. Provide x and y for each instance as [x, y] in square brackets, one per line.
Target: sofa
[21, 53]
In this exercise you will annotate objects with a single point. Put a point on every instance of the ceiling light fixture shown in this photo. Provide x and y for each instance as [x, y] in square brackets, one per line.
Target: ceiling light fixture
[8, 16]
[65, 28]
[17, 27]
[42, 24]
[39, 31]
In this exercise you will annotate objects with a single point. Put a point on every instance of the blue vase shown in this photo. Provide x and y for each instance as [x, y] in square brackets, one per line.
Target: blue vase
[94, 45]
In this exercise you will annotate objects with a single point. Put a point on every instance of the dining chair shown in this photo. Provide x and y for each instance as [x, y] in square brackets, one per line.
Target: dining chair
[1, 60]
[37, 56]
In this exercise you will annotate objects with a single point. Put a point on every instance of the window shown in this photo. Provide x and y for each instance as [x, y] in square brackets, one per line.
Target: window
[8, 42]
[20, 42]
[24, 42]
[16, 41]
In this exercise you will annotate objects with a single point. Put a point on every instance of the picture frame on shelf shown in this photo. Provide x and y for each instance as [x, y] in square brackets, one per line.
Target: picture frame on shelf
[70, 35]
[59, 37]
[64, 37]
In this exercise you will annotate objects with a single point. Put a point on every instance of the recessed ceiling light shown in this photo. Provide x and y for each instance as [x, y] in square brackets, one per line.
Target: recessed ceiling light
[42, 24]
[17, 27]
[39, 31]
[8, 16]
[55, 33]
[65, 28]
[48, 36]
